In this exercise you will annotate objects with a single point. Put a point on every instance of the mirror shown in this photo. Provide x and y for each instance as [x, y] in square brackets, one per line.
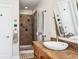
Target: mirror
[66, 19]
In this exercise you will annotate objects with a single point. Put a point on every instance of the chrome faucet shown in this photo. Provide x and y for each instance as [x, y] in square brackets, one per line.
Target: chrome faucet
[43, 37]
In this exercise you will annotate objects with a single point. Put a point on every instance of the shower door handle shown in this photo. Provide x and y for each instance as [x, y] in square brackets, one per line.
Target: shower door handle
[15, 38]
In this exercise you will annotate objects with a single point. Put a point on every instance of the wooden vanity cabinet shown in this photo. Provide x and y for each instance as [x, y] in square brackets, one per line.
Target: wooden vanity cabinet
[39, 53]
[43, 53]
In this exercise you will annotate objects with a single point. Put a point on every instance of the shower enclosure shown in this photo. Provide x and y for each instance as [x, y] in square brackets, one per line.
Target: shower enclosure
[66, 17]
[9, 30]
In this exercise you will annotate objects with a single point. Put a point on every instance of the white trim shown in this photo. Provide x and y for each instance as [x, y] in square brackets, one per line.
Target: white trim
[27, 51]
[27, 12]
[25, 46]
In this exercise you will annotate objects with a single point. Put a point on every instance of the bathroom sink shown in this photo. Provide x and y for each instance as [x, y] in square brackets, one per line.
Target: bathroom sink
[55, 45]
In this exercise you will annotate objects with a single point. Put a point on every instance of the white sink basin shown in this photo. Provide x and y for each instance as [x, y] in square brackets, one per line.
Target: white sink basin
[55, 45]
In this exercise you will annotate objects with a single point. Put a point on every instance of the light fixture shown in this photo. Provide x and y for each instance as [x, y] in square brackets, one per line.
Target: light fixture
[26, 7]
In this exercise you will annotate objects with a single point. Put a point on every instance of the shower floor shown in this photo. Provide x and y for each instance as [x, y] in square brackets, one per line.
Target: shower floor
[26, 52]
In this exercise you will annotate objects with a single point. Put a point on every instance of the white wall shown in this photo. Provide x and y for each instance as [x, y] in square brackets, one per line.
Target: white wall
[15, 4]
[49, 21]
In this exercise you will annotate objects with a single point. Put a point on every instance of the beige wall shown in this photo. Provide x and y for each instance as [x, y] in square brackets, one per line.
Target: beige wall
[49, 21]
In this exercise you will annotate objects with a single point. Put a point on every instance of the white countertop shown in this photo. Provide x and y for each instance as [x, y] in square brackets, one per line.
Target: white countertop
[70, 40]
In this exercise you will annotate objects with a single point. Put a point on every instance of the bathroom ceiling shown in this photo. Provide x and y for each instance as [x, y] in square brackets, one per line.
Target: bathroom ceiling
[28, 4]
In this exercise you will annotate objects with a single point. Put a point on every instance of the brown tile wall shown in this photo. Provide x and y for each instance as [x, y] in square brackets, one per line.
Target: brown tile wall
[26, 29]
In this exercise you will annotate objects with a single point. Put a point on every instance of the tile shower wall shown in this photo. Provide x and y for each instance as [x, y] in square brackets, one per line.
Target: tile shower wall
[26, 29]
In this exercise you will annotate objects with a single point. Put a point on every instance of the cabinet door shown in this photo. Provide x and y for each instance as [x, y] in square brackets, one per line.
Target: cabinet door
[43, 55]
[36, 50]
[36, 57]
[5, 32]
